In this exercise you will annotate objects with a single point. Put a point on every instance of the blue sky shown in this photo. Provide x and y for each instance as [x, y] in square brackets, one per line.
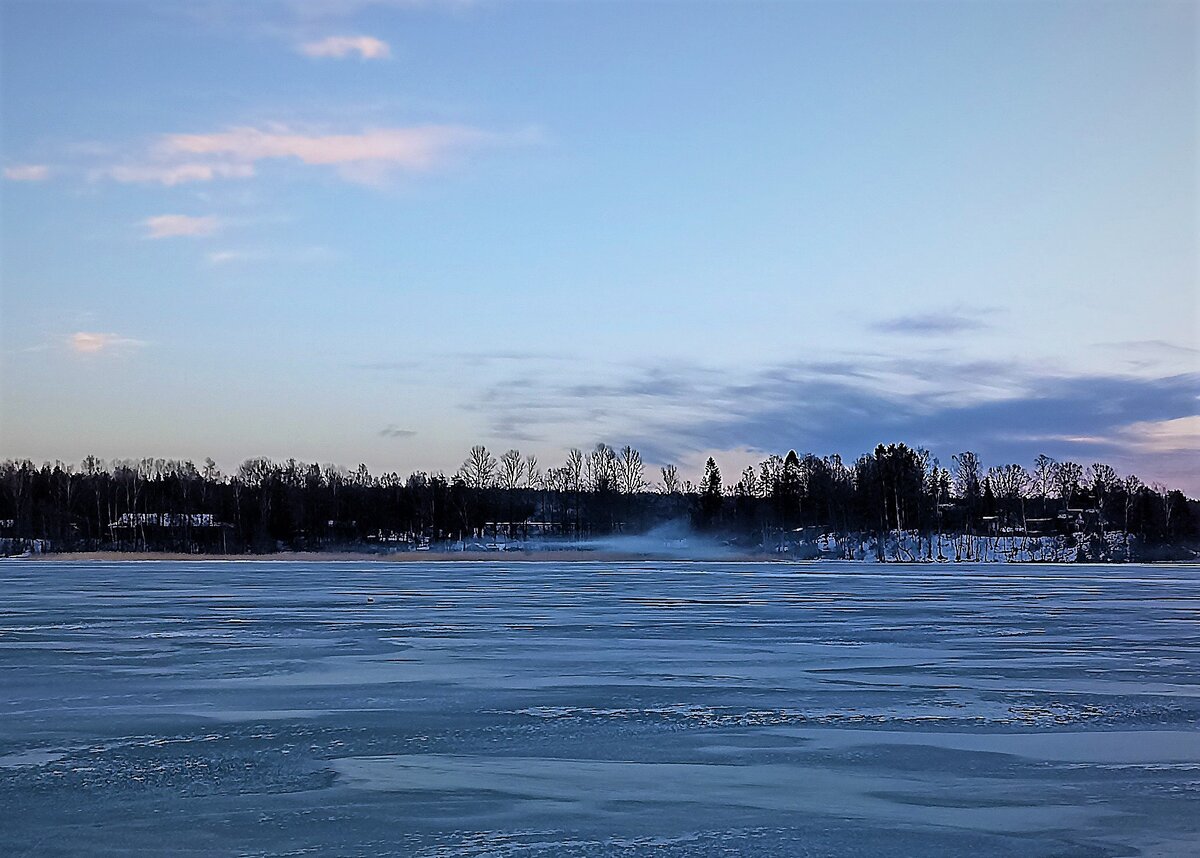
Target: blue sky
[384, 231]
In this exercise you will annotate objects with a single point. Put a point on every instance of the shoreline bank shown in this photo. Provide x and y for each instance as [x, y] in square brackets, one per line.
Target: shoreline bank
[565, 555]
[523, 557]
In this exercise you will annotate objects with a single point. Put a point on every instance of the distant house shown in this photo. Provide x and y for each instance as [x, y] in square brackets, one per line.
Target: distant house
[1080, 518]
[188, 530]
[533, 528]
[166, 519]
[341, 531]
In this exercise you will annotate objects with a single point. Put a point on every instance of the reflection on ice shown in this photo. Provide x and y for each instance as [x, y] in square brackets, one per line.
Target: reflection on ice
[1125, 747]
[552, 787]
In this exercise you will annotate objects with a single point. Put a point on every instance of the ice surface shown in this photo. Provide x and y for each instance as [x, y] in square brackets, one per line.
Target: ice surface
[652, 708]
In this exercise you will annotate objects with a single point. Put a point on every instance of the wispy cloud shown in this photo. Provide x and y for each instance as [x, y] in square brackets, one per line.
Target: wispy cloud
[1011, 412]
[226, 257]
[1180, 435]
[338, 47]
[27, 173]
[363, 156]
[923, 324]
[174, 174]
[171, 225]
[1154, 356]
[396, 432]
[366, 156]
[1007, 410]
[90, 343]
[307, 255]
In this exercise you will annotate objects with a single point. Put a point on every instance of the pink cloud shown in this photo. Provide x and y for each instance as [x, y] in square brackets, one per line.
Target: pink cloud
[27, 173]
[1180, 435]
[361, 157]
[369, 156]
[86, 342]
[367, 47]
[171, 225]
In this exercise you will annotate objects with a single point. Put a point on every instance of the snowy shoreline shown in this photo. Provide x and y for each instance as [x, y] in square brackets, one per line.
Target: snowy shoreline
[982, 550]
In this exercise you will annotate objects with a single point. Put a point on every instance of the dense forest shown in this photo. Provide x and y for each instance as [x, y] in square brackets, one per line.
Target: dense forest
[783, 505]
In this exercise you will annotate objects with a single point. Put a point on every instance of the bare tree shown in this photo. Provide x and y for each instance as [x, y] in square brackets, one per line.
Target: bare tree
[600, 468]
[210, 476]
[533, 477]
[967, 470]
[512, 470]
[574, 470]
[1066, 477]
[670, 480]
[557, 480]
[1009, 482]
[1043, 475]
[479, 470]
[630, 471]
[1103, 479]
[1133, 489]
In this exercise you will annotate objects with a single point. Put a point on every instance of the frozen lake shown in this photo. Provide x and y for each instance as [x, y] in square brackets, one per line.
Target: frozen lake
[657, 708]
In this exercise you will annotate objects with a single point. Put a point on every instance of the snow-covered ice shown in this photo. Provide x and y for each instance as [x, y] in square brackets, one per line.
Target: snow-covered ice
[594, 708]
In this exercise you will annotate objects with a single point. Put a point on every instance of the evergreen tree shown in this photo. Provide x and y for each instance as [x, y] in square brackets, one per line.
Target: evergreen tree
[710, 495]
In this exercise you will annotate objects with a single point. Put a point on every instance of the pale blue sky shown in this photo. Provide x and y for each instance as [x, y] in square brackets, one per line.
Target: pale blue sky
[383, 231]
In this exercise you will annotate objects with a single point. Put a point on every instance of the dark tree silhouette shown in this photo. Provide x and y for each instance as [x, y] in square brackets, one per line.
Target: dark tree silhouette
[898, 498]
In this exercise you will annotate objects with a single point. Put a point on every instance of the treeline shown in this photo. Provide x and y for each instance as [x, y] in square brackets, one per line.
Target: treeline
[157, 504]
